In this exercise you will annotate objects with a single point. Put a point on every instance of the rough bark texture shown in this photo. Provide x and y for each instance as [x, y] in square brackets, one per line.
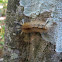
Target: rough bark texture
[26, 47]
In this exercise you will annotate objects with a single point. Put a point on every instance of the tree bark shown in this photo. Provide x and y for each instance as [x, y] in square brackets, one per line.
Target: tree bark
[25, 47]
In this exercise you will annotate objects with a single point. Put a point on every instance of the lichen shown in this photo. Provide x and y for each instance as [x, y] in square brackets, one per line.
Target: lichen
[32, 8]
[14, 56]
[59, 38]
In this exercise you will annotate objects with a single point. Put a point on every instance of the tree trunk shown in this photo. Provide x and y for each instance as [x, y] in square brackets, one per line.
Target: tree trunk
[30, 47]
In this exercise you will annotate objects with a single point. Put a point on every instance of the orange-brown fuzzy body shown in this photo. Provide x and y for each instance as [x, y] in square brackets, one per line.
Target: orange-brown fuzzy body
[36, 26]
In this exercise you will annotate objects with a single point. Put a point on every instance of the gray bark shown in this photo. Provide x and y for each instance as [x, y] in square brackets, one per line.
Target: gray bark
[26, 47]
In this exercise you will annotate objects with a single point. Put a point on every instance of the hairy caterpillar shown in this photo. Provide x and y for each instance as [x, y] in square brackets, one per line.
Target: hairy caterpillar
[34, 26]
